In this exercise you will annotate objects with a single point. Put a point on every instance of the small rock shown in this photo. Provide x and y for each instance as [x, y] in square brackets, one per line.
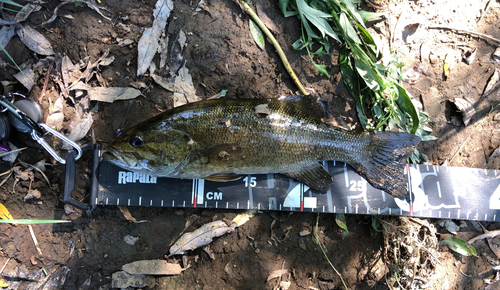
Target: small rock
[131, 240]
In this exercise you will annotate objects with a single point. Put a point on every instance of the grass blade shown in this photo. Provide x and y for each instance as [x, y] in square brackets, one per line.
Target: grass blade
[32, 222]
[10, 2]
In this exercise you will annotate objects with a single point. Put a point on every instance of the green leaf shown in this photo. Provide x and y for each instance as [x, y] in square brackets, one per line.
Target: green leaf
[340, 220]
[317, 18]
[321, 68]
[10, 2]
[299, 44]
[257, 34]
[460, 246]
[354, 12]
[348, 29]
[376, 224]
[320, 52]
[368, 74]
[283, 5]
[367, 16]
[405, 102]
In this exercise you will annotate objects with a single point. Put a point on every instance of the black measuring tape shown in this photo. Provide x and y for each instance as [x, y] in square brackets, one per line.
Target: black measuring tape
[436, 192]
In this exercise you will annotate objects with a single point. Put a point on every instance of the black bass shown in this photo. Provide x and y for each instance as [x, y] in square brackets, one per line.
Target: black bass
[220, 139]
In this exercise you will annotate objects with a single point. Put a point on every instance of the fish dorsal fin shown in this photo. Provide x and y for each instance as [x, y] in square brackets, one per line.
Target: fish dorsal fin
[313, 175]
[303, 106]
[223, 177]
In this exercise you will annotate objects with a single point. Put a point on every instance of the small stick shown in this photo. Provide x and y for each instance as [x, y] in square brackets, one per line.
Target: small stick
[246, 8]
[34, 240]
[487, 235]
[480, 35]
[1, 271]
[45, 82]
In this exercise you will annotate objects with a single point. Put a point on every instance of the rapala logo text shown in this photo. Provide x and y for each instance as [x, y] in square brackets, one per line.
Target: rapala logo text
[125, 177]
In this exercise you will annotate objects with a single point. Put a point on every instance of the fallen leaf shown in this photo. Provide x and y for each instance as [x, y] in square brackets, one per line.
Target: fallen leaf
[109, 95]
[449, 225]
[26, 78]
[55, 116]
[23, 14]
[33, 193]
[6, 33]
[4, 213]
[131, 240]
[149, 42]
[152, 267]
[466, 108]
[493, 84]
[276, 274]
[3, 284]
[122, 279]
[34, 40]
[242, 218]
[469, 56]
[200, 237]
[127, 214]
[184, 91]
[257, 35]
[166, 83]
[80, 130]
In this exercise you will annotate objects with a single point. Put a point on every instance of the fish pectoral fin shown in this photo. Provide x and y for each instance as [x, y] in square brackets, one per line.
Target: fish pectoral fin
[313, 175]
[221, 177]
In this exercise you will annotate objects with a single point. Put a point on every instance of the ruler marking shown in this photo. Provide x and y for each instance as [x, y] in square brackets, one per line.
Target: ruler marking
[449, 214]
[258, 206]
[227, 204]
[96, 200]
[378, 210]
[238, 205]
[117, 201]
[439, 189]
[106, 200]
[383, 195]
[128, 203]
[495, 173]
[486, 216]
[270, 180]
[323, 208]
[140, 200]
[150, 202]
[356, 208]
[476, 216]
[173, 203]
[439, 213]
[427, 167]
[162, 203]
[250, 194]
[248, 204]
[216, 204]
[205, 204]
[345, 209]
[184, 203]
[334, 209]
[468, 214]
[458, 214]
[280, 206]
[400, 211]
[345, 176]
[390, 211]
[494, 217]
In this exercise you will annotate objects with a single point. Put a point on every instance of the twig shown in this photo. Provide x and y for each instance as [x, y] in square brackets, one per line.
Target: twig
[34, 240]
[46, 82]
[246, 8]
[488, 235]
[484, 11]
[1, 271]
[480, 35]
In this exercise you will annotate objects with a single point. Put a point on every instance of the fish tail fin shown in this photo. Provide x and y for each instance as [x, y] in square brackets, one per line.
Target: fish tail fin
[384, 169]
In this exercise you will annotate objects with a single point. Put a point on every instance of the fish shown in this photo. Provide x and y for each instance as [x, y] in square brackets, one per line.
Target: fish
[222, 139]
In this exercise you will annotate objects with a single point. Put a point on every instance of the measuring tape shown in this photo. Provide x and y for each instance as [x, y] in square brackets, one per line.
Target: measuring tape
[436, 192]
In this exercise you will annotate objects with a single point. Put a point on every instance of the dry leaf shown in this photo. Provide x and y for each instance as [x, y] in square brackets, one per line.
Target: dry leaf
[184, 91]
[240, 219]
[34, 40]
[127, 214]
[26, 11]
[33, 193]
[80, 130]
[55, 117]
[492, 84]
[4, 213]
[26, 78]
[110, 95]
[167, 84]
[3, 284]
[276, 274]
[122, 280]
[152, 267]
[148, 44]
[6, 33]
[200, 237]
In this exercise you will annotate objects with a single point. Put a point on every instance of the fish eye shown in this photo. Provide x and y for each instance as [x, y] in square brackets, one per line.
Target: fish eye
[136, 141]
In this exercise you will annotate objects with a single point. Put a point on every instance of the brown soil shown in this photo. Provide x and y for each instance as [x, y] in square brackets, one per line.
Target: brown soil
[221, 55]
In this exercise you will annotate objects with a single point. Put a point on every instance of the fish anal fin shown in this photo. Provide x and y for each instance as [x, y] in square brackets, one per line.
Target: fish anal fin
[221, 177]
[313, 175]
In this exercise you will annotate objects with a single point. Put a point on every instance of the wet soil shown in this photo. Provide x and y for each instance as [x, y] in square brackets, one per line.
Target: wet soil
[221, 55]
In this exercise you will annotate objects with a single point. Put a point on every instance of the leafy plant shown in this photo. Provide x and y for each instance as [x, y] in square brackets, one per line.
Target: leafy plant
[460, 246]
[374, 82]
[340, 220]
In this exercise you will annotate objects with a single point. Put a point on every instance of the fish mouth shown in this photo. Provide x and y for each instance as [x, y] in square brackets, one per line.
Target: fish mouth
[119, 159]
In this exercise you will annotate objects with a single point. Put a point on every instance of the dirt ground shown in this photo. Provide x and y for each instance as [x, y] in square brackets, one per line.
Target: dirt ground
[221, 55]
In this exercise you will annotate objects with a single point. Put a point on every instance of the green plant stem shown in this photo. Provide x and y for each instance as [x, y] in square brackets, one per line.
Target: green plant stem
[275, 43]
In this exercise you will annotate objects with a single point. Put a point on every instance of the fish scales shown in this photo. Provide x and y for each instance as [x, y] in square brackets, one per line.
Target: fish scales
[220, 139]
